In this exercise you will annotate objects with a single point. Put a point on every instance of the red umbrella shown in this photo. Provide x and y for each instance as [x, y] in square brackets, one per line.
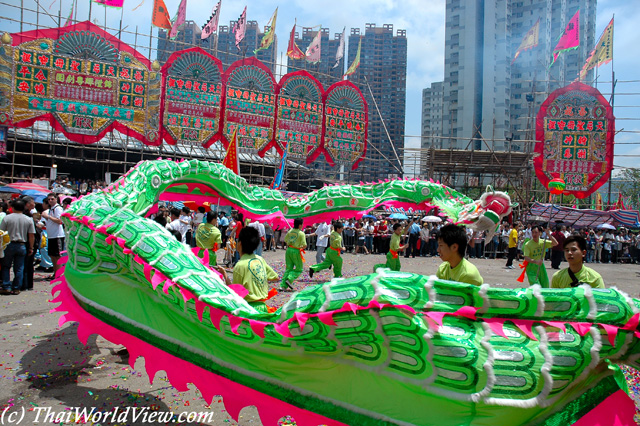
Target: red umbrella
[25, 186]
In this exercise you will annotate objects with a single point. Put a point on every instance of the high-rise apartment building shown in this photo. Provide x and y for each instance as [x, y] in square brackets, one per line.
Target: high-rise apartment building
[324, 70]
[487, 96]
[188, 36]
[228, 53]
[381, 77]
[432, 119]
[222, 45]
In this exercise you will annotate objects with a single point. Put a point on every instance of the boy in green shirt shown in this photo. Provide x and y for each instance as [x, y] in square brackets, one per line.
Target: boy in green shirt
[452, 245]
[333, 256]
[393, 260]
[296, 242]
[208, 237]
[534, 251]
[575, 250]
[251, 271]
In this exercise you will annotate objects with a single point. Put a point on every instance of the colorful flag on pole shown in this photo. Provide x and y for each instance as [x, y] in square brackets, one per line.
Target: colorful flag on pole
[240, 27]
[277, 179]
[231, 159]
[570, 38]
[356, 62]
[110, 3]
[529, 41]
[212, 25]
[270, 34]
[313, 51]
[160, 17]
[70, 17]
[598, 201]
[340, 52]
[602, 53]
[180, 19]
[293, 51]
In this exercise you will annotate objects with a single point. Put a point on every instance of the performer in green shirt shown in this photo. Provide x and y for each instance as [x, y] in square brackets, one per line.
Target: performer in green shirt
[452, 246]
[333, 256]
[208, 237]
[251, 271]
[393, 260]
[575, 250]
[534, 251]
[297, 243]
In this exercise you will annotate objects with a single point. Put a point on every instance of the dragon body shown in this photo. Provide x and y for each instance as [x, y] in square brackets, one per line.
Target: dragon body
[388, 348]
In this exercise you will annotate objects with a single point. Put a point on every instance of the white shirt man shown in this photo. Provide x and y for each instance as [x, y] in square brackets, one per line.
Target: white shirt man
[55, 230]
[323, 232]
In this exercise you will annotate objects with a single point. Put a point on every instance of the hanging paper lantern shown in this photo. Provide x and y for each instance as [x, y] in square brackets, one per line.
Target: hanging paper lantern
[557, 186]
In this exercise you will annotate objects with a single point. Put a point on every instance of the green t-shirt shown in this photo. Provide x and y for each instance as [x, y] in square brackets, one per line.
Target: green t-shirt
[395, 242]
[465, 272]
[295, 238]
[562, 279]
[207, 235]
[534, 250]
[335, 240]
[253, 273]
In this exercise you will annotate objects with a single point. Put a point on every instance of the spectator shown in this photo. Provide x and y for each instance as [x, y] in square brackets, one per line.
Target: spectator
[21, 231]
[55, 231]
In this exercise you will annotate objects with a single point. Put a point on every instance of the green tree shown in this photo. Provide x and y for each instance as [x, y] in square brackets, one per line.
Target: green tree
[629, 185]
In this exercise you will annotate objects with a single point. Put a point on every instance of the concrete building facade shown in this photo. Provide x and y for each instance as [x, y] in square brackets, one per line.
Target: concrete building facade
[487, 96]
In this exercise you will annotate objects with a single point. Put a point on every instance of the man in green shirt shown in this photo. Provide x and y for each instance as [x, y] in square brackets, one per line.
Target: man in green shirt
[575, 250]
[251, 271]
[534, 251]
[393, 260]
[208, 237]
[333, 256]
[296, 244]
[452, 246]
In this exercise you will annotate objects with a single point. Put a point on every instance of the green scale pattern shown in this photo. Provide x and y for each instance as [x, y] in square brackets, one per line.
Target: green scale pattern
[462, 367]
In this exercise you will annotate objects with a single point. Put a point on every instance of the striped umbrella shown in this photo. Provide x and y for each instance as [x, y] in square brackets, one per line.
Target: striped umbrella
[24, 186]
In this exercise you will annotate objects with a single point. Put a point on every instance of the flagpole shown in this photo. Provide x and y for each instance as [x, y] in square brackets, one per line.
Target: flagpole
[613, 88]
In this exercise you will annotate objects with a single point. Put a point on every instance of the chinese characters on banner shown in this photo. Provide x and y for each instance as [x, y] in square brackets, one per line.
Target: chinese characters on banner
[575, 131]
[345, 128]
[83, 98]
[250, 105]
[86, 83]
[192, 95]
[300, 112]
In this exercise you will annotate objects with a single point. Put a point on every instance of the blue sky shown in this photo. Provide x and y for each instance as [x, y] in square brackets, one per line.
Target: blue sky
[423, 20]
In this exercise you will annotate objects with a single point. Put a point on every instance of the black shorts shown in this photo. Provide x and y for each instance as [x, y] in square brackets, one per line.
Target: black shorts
[56, 246]
[360, 242]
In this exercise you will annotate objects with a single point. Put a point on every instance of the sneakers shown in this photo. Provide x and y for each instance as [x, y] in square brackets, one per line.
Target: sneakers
[311, 272]
[5, 292]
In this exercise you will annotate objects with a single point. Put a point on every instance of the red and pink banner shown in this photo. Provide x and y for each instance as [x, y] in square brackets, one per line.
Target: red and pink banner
[575, 130]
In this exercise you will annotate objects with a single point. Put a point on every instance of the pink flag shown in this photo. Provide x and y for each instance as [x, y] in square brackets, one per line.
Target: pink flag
[182, 16]
[570, 38]
[313, 51]
[211, 26]
[240, 27]
[110, 3]
[70, 17]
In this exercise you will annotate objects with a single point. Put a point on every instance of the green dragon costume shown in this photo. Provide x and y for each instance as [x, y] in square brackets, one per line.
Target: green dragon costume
[389, 348]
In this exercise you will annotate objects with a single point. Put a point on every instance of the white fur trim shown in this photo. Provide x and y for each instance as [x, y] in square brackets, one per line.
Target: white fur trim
[588, 294]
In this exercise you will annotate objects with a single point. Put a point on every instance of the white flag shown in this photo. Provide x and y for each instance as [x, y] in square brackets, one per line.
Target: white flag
[211, 26]
[313, 51]
[340, 52]
[240, 27]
